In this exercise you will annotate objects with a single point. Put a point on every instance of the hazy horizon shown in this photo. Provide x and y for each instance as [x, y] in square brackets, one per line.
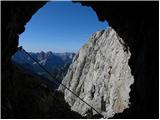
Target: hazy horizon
[49, 51]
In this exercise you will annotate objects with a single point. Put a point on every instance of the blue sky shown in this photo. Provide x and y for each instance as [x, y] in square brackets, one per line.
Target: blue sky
[60, 26]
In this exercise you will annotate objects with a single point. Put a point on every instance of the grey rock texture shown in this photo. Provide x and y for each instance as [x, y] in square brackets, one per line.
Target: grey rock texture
[100, 75]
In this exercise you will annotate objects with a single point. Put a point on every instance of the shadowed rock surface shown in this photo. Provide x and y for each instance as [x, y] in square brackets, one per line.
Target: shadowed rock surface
[31, 97]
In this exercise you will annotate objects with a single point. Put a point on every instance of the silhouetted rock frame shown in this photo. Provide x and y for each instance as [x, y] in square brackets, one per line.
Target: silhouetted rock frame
[136, 22]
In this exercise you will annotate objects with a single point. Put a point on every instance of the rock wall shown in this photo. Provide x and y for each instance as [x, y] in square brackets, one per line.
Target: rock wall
[135, 22]
[100, 75]
[14, 17]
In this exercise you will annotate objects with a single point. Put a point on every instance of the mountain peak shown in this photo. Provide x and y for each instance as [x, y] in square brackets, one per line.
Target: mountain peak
[100, 75]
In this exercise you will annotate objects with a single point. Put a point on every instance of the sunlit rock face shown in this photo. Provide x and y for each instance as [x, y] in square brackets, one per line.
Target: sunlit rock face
[100, 75]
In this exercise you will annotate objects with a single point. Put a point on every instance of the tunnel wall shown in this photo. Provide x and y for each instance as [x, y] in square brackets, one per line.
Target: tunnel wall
[136, 22]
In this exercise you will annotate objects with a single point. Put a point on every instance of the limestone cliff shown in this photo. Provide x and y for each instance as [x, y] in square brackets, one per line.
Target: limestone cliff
[100, 75]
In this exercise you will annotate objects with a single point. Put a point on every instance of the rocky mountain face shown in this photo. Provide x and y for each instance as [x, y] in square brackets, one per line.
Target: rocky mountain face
[100, 75]
[56, 63]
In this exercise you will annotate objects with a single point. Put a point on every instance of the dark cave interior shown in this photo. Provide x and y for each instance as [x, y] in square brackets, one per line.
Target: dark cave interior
[136, 22]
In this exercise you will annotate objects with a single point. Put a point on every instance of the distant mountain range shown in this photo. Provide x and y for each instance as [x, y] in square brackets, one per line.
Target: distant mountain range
[56, 63]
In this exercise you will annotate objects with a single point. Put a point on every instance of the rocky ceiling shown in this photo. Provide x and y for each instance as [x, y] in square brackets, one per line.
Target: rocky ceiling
[136, 22]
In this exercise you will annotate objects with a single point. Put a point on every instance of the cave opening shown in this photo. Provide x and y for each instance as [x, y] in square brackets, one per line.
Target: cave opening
[66, 47]
[143, 47]
[53, 36]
